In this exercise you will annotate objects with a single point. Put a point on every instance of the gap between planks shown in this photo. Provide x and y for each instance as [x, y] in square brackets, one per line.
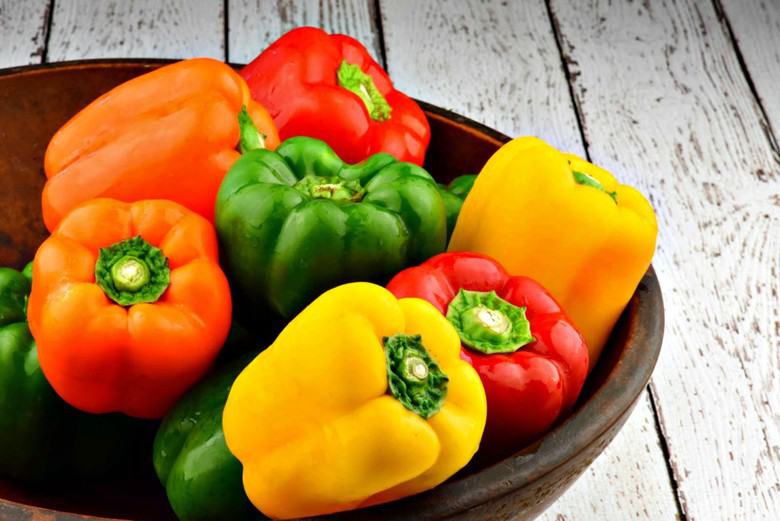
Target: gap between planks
[668, 97]
[664, 445]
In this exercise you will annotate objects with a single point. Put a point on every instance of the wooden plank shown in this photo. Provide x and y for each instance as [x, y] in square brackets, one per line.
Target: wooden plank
[755, 26]
[139, 29]
[493, 61]
[465, 57]
[253, 24]
[666, 107]
[23, 28]
[616, 485]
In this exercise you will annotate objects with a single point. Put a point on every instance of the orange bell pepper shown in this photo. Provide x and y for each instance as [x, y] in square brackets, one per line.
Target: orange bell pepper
[168, 134]
[129, 306]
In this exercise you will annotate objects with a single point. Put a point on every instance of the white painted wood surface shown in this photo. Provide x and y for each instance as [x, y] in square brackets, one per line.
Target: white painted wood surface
[628, 481]
[22, 32]
[253, 24]
[493, 61]
[664, 104]
[666, 107]
[755, 25]
[461, 56]
[84, 29]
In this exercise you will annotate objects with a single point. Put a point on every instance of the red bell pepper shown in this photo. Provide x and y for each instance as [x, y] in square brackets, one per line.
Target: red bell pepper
[327, 86]
[531, 359]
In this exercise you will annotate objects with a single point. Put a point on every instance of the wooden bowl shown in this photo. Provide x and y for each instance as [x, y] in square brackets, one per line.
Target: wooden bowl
[35, 101]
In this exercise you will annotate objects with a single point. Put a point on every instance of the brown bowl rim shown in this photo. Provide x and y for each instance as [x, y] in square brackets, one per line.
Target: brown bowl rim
[581, 428]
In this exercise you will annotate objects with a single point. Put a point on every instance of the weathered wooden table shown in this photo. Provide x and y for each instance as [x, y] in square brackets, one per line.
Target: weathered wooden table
[678, 98]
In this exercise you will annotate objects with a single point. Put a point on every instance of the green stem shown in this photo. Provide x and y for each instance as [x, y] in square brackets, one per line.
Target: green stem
[130, 274]
[353, 79]
[334, 188]
[251, 138]
[132, 271]
[588, 180]
[413, 377]
[488, 323]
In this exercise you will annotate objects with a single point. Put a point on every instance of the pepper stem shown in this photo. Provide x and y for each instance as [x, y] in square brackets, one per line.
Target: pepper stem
[334, 188]
[588, 180]
[413, 377]
[132, 271]
[130, 274]
[358, 82]
[250, 137]
[488, 323]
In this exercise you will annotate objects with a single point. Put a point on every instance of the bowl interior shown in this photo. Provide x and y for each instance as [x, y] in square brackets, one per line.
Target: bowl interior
[35, 102]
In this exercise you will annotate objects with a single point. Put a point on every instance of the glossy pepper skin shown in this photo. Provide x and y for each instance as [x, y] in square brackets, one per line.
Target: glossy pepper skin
[168, 134]
[565, 223]
[129, 306]
[201, 477]
[362, 399]
[41, 437]
[328, 87]
[298, 221]
[533, 371]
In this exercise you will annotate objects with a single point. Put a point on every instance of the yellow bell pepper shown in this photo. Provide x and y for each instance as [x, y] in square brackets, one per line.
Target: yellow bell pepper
[566, 223]
[362, 399]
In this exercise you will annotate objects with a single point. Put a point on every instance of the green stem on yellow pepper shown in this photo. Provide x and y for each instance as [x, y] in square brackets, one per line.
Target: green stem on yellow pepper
[413, 377]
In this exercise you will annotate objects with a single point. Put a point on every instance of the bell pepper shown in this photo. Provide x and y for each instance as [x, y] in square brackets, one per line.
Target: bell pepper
[298, 221]
[531, 359]
[328, 87]
[202, 478]
[453, 195]
[168, 134]
[362, 399]
[41, 437]
[129, 306]
[565, 223]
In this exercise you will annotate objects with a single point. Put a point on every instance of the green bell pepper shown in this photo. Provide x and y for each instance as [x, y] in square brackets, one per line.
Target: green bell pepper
[202, 478]
[453, 196]
[298, 221]
[461, 185]
[41, 437]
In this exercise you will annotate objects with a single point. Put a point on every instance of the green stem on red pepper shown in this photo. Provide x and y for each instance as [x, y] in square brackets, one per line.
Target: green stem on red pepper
[358, 82]
[488, 323]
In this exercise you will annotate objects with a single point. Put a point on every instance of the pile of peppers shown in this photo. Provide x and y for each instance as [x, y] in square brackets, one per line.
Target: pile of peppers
[411, 327]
